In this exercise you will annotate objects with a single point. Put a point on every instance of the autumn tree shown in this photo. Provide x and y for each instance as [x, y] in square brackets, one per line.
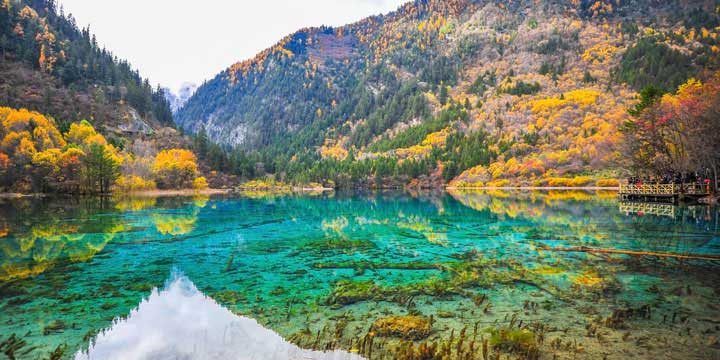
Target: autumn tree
[175, 169]
[101, 161]
[46, 168]
[4, 166]
[677, 133]
[70, 169]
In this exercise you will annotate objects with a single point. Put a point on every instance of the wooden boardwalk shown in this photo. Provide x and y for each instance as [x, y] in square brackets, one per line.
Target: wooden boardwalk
[664, 193]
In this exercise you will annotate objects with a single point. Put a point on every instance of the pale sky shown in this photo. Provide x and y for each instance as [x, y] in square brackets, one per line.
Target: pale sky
[174, 41]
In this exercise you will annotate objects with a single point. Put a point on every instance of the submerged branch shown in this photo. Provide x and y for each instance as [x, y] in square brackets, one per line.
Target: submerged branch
[586, 249]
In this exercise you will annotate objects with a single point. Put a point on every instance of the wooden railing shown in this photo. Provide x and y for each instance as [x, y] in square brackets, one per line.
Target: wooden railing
[647, 208]
[663, 189]
[649, 189]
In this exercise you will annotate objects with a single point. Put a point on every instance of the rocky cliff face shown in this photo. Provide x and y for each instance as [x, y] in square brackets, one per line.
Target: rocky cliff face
[177, 101]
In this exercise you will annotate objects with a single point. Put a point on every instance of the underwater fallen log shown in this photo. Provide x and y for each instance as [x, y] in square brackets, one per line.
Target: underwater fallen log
[586, 249]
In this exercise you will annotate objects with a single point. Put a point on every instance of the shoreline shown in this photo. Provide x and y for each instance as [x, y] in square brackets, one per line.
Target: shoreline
[587, 188]
[193, 192]
[182, 192]
[312, 189]
[10, 195]
[144, 193]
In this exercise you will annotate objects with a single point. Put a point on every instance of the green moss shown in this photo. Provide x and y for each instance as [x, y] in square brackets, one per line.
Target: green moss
[143, 287]
[278, 291]
[55, 326]
[229, 297]
[513, 340]
[349, 292]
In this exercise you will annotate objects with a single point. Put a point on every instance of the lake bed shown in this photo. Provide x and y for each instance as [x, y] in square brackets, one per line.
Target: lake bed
[380, 275]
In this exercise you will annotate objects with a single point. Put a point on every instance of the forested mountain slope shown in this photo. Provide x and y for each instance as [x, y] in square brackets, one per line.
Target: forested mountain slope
[50, 65]
[74, 117]
[476, 91]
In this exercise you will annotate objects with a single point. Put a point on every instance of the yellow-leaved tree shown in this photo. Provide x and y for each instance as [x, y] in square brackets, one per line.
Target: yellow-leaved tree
[175, 169]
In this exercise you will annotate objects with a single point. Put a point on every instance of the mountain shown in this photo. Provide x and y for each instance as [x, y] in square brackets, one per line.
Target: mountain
[177, 101]
[51, 66]
[467, 91]
[76, 118]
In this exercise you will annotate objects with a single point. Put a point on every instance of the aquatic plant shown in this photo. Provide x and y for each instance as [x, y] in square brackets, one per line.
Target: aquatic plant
[515, 340]
[229, 297]
[54, 327]
[58, 353]
[404, 327]
[12, 345]
[334, 244]
[278, 291]
[619, 317]
[349, 292]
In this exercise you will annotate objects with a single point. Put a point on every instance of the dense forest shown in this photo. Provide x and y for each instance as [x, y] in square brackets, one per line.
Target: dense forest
[462, 92]
[78, 78]
[76, 119]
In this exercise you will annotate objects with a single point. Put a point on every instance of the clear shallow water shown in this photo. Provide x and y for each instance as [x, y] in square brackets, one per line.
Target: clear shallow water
[321, 270]
[180, 322]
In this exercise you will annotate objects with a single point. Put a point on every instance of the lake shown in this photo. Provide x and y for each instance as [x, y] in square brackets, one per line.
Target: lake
[349, 276]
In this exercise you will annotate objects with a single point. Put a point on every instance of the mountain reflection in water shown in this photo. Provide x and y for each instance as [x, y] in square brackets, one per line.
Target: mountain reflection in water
[180, 322]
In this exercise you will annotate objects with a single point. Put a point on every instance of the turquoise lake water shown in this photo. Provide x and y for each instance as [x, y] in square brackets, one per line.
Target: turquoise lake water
[341, 276]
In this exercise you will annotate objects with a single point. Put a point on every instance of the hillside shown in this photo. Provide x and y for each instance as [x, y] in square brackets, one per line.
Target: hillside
[74, 117]
[51, 66]
[463, 91]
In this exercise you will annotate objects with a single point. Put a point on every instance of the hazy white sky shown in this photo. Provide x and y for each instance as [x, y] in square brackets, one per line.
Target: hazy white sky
[174, 41]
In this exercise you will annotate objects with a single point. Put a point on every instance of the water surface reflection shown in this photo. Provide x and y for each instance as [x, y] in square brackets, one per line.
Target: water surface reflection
[180, 322]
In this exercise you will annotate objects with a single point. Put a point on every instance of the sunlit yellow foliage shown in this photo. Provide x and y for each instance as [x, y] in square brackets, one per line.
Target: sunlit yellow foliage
[589, 278]
[583, 97]
[49, 159]
[607, 183]
[200, 183]
[577, 181]
[600, 53]
[267, 184]
[498, 183]
[130, 183]
[38, 129]
[542, 105]
[79, 132]
[175, 169]
[333, 150]
[431, 141]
